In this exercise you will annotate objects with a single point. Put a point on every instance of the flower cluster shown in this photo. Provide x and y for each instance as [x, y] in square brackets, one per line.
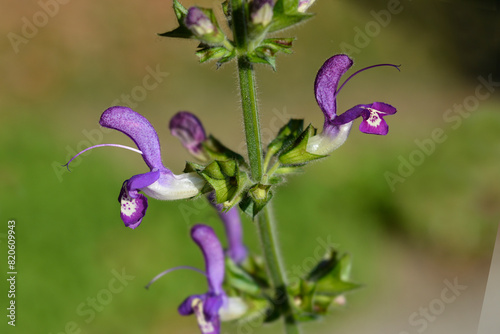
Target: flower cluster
[336, 128]
[259, 18]
[222, 176]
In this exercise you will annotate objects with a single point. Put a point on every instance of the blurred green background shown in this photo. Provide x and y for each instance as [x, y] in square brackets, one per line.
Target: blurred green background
[437, 222]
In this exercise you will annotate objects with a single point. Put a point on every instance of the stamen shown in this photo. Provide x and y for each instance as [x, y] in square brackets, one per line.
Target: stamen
[174, 269]
[364, 69]
[100, 145]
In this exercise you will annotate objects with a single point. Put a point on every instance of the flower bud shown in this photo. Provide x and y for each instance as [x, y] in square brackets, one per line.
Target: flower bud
[304, 5]
[188, 128]
[261, 12]
[202, 26]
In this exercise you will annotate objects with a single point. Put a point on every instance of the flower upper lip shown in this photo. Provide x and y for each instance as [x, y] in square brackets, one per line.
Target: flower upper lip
[206, 306]
[138, 128]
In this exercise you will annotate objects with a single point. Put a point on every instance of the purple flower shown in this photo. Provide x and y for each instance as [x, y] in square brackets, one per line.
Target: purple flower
[206, 306]
[236, 250]
[160, 183]
[188, 128]
[213, 306]
[261, 11]
[336, 128]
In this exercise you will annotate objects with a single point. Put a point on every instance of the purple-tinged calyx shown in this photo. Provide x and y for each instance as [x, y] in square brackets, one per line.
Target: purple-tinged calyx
[213, 306]
[304, 5]
[336, 128]
[261, 12]
[188, 128]
[236, 250]
[202, 26]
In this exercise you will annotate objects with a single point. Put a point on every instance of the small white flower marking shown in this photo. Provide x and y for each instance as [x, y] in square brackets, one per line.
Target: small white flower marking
[197, 305]
[374, 119]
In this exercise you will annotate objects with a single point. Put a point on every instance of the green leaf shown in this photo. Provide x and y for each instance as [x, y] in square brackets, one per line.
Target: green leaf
[193, 167]
[258, 308]
[212, 52]
[281, 22]
[331, 286]
[286, 7]
[227, 58]
[297, 153]
[254, 265]
[286, 135]
[217, 151]
[289, 170]
[179, 32]
[260, 57]
[180, 11]
[240, 280]
[286, 14]
[278, 44]
[324, 267]
[227, 181]
[332, 275]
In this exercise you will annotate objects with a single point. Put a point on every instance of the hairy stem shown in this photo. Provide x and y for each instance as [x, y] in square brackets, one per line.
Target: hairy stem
[269, 243]
[250, 117]
[264, 220]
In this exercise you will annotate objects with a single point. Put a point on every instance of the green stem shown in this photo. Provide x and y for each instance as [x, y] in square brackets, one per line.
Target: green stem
[269, 243]
[265, 222]
[250, 116]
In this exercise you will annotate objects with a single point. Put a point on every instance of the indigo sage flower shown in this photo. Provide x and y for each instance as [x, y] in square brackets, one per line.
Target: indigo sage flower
[336, 128]
[213, 306]
[261, 11]
[234, 231]
[188, 128]
[160, 183]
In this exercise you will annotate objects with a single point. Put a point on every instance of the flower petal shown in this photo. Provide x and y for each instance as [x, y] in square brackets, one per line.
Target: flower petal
[332, 137]
[196, 304]
[186, 307]
[304, 5]
[211, 326]
[327, 81]
[261, 11]
[373, 121]
[232, 309]
[139, 181]
[188, 128]
[212, 305]
[198, 22]
[138, 129]
[207, 240]
[133, 206]
[170, 187]
[234, 231]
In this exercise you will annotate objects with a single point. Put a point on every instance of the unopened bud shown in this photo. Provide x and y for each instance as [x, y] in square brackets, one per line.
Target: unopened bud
[304, 5]
[188, 128]
[261, 11]
[202, 26]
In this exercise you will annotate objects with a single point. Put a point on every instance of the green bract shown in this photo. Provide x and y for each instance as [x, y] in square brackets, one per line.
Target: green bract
[258, 49]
